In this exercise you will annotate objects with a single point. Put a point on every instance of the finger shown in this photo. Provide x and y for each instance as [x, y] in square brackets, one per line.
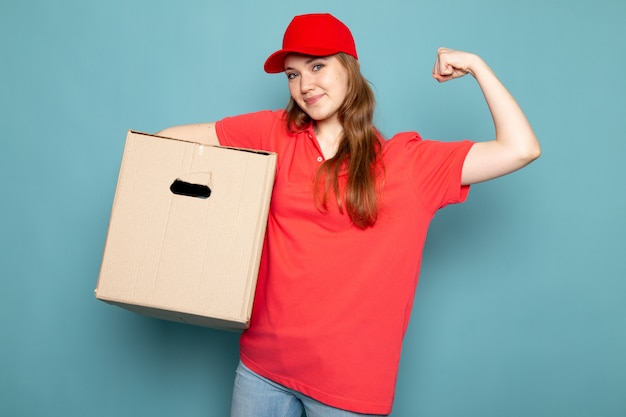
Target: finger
[440, 66]
[444, 68]
[442, 78]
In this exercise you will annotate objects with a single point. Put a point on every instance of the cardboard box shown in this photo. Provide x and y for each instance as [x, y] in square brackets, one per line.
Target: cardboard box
[186, 231]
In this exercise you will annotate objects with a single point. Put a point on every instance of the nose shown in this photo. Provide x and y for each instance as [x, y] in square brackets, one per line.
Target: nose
[306, 83]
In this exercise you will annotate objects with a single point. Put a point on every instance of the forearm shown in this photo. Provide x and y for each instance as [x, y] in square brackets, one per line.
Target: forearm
[201, 132]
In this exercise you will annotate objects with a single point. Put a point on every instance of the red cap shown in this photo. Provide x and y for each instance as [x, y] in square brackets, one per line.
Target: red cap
[312, 34]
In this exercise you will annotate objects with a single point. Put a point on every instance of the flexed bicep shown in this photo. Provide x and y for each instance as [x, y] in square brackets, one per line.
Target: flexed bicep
[515, 145]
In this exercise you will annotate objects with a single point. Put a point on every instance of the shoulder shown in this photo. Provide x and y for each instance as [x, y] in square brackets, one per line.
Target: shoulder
[398, 143]
[403, 138]
[412, 143]
[262, 116]
[410, 149]
[265, 129]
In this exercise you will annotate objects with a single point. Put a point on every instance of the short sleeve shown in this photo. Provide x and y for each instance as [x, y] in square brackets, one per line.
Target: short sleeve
[435, 168]
[252, 130]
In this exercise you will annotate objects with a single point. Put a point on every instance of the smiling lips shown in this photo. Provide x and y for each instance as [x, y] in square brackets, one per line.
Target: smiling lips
[313, 99]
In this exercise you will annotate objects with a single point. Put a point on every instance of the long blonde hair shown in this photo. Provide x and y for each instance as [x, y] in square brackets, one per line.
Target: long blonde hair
[358, 150]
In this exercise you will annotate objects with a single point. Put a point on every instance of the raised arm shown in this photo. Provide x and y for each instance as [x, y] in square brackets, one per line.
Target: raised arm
[202, 133]
[515, 145]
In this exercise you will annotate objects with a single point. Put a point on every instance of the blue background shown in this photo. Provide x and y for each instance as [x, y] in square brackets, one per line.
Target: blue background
[521, 306]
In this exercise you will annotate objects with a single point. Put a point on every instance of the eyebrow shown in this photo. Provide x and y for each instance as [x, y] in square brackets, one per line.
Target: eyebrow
[310, 60]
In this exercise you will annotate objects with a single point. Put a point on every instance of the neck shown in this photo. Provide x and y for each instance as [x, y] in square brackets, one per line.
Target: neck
[328, 136]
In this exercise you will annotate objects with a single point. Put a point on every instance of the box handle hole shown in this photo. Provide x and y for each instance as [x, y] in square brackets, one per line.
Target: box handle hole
[188, 189]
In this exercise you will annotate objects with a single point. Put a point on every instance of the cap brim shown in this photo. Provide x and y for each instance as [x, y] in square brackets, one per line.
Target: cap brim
[276, 62]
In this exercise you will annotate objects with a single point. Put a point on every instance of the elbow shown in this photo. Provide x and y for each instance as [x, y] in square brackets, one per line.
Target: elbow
[535, 152]
[528, 155]
[531, 150]
[524, 156]
[532, 153]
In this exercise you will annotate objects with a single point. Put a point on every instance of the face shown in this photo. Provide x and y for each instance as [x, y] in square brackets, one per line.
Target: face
[317, 84]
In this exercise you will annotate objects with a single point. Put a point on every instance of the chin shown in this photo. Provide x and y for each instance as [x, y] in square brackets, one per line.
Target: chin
[318, 117]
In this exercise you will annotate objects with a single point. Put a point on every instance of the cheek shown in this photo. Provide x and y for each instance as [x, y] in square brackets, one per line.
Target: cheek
[340, 81]
[343, 87]
[293, 90]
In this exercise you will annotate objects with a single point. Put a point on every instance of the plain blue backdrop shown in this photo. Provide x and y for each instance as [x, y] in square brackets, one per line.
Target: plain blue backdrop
[521, 307]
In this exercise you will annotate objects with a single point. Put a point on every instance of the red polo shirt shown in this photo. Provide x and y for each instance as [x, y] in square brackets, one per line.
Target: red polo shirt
[333, 301]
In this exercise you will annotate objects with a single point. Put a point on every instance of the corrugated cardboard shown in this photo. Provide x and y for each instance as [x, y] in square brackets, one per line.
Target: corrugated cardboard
[176, 254]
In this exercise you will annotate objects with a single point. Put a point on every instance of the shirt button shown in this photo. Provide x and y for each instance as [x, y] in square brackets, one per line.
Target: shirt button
[319, 159]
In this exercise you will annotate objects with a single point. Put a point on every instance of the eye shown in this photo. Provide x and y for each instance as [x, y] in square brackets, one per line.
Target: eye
[291, 75]
[318, 67]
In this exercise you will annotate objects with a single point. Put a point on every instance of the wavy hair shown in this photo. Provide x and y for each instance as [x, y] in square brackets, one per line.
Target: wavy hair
[358, 150]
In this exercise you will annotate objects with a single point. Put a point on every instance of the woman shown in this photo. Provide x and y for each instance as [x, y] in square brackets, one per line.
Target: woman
[347, 223]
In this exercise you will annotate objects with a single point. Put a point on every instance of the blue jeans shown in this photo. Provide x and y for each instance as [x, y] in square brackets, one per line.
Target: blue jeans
[255, 396]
